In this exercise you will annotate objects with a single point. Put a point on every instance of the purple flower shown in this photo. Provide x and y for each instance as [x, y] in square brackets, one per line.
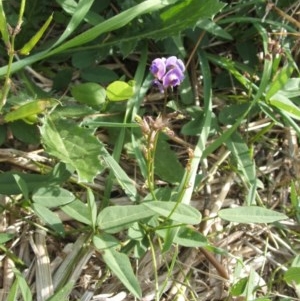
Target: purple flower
[167, 72]
[158, 67]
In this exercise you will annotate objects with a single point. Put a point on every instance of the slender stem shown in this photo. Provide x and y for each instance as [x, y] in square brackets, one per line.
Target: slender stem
[154, 268]
[152, 143]
[11, 54]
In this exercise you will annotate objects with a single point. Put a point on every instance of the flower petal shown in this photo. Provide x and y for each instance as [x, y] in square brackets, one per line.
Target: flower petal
[158, 68]
[173, 78]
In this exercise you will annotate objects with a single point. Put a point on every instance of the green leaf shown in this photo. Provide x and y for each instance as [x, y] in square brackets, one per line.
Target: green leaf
[183, 213]
[27, 133]
[64, 293]
[105, 241]
[4, 237]
[91, 94]
[30, 109]
[211, 27]
[279, 81]
[98, 74]
[113, 219]
[25, 289]
[92, 207]
[52, 196]
[119, 91]
[73, 145]
[251, 214]
[34, 40]
[239, 287]
[291, 88]
[282, 103]
[186, 236]
[49, 218]
[186, 14]
[292, 275]
[120, 265]
[91, 34]
[79, 211]
[123, 179]
[167, 165]
[3, 25]
[111, 24]
[241, 154]
[78, 11]
[8, 185]
[22, 185]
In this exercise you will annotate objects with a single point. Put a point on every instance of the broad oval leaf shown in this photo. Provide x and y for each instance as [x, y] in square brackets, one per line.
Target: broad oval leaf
[120, 265]
[119, 91]
[73, 145]
[49, 218]
[91, 94]
[183, 213]
[187, 237]
[115, 218]
[292, 275]
[105, 241]
[251, 214]
[52, 196]
[79, 211]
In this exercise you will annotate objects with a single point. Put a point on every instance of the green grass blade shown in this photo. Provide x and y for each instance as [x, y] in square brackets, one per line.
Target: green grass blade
[78, 15]
[190, 175]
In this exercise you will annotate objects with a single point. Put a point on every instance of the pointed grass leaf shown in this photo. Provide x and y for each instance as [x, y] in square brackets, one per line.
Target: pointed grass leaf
[34, 40]
[78, 11]
[181, 213]
[52, 196]
[120, 265]
[119, 91]
[49, 218]
[22, 284]
[64, 293]
[251, 214]
[114, 219]
[282, 103]
[91, 94]
[78, 211]
[90, 34]
[241, 153]
[73, 145]
[111, 24]
[279, 81]
[185, 15]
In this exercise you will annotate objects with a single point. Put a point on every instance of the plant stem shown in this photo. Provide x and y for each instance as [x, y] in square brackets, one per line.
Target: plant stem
[11, 54]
